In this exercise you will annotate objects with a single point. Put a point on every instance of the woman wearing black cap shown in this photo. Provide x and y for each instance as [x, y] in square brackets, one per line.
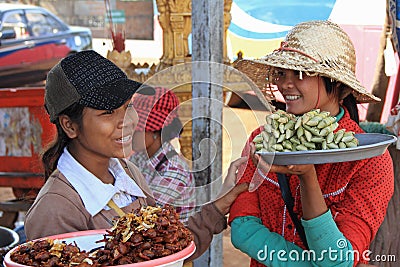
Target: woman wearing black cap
[88, 98]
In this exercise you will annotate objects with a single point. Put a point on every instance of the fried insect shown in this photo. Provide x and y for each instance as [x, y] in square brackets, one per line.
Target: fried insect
[145, 234]
[47, 252]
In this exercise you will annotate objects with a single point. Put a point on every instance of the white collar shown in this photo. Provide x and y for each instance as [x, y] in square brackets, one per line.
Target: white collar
[94, 193]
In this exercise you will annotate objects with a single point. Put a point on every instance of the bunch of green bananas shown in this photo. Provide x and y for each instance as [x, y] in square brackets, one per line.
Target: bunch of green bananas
[314, 130]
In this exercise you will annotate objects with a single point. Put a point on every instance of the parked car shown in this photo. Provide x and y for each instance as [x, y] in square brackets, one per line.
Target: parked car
[32, 41]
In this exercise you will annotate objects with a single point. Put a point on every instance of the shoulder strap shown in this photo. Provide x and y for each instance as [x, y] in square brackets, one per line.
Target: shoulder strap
[289, 202]
[168, 155]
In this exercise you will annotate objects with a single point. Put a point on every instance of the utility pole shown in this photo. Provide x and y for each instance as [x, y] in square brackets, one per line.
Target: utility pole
[207, 69]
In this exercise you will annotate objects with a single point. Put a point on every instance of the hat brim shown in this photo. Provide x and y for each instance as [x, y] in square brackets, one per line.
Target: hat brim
[115, 94]
[257, 70]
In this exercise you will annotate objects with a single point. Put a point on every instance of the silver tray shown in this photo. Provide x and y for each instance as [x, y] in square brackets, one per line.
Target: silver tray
[370, 145]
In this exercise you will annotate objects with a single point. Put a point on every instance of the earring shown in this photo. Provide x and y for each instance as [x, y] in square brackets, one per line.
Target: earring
[301, 75]
[154, 136]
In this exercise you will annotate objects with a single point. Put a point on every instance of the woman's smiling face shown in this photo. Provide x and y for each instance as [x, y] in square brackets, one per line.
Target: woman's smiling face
[305, 94]
[106, 133]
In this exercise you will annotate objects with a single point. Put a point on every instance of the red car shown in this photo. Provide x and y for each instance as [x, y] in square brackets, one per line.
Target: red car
[32, 41]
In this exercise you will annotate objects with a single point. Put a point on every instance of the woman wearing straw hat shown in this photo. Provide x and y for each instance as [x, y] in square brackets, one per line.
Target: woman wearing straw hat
[341, 205]
[166, 172]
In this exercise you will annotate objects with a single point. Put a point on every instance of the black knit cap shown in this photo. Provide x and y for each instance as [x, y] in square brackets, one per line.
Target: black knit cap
[89, 79]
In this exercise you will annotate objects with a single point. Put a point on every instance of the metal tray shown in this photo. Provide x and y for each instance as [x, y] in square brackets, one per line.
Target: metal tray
[370, 145]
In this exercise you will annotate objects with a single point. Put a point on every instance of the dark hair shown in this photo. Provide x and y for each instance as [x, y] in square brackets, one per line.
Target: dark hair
[172, 130]
[349, 102]
[54, 150]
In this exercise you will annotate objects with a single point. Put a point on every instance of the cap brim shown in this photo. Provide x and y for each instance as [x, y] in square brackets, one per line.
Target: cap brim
[144, 89]
[113, 95]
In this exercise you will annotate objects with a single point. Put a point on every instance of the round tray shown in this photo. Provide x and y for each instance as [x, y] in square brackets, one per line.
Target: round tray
[370, 145]
[88, 240]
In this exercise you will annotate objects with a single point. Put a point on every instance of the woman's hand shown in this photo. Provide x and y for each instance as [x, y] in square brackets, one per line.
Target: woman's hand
[230, 190]
[303, 171]
[312, 200]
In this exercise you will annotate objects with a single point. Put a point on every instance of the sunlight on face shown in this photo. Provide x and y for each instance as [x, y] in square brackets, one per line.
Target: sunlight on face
[303, 93]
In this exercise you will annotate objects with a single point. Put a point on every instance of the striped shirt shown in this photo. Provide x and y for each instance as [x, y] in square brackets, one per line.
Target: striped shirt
[171, 183]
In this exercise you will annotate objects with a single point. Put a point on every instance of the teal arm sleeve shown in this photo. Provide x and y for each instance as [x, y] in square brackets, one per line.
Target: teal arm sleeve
[327, 242]
[249, 235]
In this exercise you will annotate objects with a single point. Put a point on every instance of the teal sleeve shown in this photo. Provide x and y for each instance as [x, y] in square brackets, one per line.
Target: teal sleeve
[249, 235]
[325, 240]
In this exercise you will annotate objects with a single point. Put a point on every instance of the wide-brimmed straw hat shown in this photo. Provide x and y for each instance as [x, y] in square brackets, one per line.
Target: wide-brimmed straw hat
[315, 47]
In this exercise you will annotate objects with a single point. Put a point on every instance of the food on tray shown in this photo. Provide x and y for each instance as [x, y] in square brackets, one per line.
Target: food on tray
[145, 234]
[47, 252]
[314, 130]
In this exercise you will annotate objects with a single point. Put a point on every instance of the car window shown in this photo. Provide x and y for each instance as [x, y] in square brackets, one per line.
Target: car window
[15, 21]
[43, 24]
